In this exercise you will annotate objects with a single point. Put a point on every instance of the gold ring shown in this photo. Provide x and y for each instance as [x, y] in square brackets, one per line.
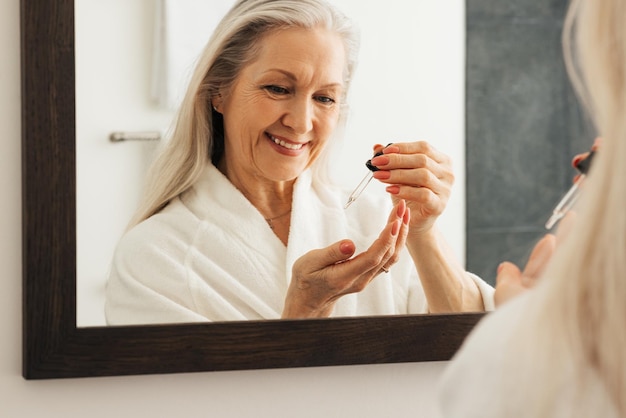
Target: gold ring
[384, 269]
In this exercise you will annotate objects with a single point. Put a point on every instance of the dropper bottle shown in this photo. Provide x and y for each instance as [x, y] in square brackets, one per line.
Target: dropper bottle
[572, 195]
[366, 180]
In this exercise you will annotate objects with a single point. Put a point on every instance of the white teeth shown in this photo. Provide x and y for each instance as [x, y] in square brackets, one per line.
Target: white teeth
[286, 144]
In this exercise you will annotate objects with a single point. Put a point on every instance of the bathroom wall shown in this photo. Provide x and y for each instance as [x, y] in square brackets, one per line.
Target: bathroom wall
[524, 126]
[399, 390]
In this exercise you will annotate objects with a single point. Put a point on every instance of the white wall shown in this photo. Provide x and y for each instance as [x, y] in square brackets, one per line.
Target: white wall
[400, 390]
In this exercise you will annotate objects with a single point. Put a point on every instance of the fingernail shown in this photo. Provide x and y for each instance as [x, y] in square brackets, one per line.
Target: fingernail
[407, 217]
[345, 247]
[390, 149]
[392, 189]
[382, 175]
[500, 267]
[380, 160]
[395, 228]
[401, 209]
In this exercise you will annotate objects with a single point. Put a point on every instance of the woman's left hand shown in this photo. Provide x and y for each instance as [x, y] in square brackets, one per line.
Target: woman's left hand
[322, 276]
[511, 281]
[419, 174]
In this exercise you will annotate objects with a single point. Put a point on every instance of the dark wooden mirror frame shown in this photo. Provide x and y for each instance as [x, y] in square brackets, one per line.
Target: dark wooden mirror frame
[53, 347]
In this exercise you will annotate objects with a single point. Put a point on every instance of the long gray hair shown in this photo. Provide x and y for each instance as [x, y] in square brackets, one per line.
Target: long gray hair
[198, 132]
[580, 309]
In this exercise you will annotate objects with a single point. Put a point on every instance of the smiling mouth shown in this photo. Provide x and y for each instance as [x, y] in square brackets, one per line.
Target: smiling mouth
[284, 144]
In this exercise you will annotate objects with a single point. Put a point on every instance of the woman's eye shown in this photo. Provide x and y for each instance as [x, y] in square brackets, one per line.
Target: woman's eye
[276, 89]
[325, 99]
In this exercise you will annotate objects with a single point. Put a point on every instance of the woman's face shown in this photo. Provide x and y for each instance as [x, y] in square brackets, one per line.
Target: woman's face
[283, 106]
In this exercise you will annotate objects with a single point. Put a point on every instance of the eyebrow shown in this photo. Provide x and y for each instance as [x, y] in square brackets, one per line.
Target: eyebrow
[292, 77]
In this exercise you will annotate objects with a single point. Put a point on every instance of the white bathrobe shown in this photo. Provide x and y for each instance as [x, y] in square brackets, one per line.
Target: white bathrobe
[503, 357]
[211, 256]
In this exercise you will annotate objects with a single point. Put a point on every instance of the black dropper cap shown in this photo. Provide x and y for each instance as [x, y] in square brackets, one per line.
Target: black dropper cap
[584, 165]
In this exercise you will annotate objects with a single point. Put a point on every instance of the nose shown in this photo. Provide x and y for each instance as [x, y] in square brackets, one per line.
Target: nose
[299, 116]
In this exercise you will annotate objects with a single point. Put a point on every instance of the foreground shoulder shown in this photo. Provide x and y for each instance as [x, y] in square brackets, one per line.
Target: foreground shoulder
[496, 328]
[473, 382]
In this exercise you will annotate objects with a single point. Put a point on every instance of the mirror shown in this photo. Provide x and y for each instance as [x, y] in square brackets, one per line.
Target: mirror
[54, 347]
[411, 86]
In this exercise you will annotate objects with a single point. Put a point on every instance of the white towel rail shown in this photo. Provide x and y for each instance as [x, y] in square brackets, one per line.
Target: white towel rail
[135, 136]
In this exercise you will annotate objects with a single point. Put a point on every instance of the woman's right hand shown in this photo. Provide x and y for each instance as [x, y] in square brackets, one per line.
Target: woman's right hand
[579, 157]
[322, 276]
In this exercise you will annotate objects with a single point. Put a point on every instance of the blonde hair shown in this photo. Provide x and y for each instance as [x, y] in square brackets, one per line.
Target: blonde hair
[581, 303]
[198, 130]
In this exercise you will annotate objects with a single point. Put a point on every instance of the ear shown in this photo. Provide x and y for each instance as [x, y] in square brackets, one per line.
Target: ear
[216, 103]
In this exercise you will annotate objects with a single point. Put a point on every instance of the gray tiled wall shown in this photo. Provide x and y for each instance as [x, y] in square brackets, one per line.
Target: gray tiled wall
[523, 127]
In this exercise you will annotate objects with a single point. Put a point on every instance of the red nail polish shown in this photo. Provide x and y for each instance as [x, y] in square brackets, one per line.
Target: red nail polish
[380, 160]
[395, 228]
[393, 189]
[401, 209]
[382, 175]
[345, 247]
[390, 149]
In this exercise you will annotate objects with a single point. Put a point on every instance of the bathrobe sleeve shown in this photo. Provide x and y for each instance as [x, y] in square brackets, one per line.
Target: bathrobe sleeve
[176, 267]
[208, 256]
[148, 278]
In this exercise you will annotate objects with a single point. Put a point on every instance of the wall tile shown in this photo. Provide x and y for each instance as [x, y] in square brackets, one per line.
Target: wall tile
[524, 125]
[489, 9]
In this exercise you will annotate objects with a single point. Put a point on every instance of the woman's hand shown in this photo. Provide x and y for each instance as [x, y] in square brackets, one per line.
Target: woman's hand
[419, 174]
[321, 277]
[423, 176]
[511, 281]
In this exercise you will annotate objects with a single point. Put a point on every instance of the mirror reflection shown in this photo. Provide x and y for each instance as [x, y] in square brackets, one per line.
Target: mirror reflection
[256, 209]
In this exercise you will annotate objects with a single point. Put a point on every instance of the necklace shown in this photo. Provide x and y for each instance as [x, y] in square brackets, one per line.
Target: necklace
[270, 220]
